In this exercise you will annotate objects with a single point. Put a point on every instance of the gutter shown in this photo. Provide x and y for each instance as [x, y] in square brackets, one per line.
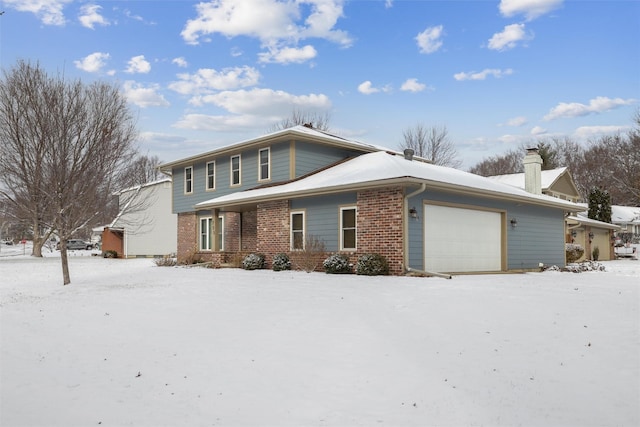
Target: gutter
[405, 209]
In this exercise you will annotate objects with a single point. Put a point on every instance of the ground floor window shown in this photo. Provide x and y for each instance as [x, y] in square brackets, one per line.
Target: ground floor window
[348, 228]
[297, 231]
[207, 231]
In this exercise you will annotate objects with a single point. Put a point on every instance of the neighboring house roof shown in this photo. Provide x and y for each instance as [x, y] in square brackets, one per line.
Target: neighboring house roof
[582, 219]
[385, 168]
[304, 133]
[625, 214]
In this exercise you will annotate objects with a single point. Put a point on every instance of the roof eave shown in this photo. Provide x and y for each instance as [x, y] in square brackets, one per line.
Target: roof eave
[436, 185]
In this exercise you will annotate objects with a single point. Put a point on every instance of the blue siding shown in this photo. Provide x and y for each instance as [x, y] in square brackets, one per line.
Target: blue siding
[280, 164]
[538, 236]
[322, 216]
[310, 157]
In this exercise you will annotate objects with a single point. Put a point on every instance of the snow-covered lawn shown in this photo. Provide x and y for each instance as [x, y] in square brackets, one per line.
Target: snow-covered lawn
[132, 344]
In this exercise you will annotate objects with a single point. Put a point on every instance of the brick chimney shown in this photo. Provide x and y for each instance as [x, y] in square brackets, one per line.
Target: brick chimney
[533, 171]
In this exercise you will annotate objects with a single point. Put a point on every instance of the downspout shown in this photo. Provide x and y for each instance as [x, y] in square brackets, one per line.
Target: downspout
[405, 209]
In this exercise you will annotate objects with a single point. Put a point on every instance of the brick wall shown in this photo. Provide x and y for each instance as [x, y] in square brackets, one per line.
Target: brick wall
[249, 231]
[273, 229]
[379, 225]
[187, 235]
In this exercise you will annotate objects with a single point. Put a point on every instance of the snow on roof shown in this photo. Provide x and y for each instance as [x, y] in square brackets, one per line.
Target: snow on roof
[547, 178]
[625, 214]
[383, 167]
[582, 218]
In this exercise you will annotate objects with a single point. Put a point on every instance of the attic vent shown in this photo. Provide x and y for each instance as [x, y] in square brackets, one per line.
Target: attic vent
[408, 153]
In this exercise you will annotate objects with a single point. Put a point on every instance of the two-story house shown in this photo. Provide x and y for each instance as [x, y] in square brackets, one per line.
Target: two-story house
[268, 194]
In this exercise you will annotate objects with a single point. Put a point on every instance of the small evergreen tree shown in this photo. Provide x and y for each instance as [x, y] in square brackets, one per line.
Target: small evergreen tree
[599, 205]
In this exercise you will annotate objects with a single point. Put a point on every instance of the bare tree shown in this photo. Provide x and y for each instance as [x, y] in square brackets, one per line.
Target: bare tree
[298, 117]
[67, 145]
[508, 163]
[431, 143]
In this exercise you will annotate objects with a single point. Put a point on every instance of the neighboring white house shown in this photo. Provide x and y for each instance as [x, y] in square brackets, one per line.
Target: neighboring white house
[145, 226]
[627, 217]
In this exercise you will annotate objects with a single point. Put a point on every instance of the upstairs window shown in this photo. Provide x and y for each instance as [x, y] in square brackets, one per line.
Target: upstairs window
[297, 231]
[264, 160]
[188, 180]
[211, 176]
[235, 170]
[348, 229]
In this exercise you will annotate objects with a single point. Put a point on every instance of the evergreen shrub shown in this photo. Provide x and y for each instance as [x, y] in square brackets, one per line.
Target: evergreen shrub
[372, 265]
[337, 264]
[281, 262]
[253, 262]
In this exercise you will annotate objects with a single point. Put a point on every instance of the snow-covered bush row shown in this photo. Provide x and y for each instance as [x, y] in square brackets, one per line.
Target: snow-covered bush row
[577, 267]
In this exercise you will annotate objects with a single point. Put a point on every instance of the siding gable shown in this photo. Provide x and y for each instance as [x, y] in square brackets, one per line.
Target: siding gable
[287, 158]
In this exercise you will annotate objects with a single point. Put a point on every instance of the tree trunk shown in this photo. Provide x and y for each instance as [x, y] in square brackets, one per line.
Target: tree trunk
[38, 241]
[66, 279]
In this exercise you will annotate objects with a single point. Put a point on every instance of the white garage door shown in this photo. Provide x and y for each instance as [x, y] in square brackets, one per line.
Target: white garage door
[461, 240]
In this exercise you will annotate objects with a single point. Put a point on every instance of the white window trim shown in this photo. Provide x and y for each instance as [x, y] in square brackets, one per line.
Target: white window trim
[207, 220]
[220, 232]
[207, 177]
[260, 177]
[190, 180]
[231, 183]
[304, 229]
[342, 248]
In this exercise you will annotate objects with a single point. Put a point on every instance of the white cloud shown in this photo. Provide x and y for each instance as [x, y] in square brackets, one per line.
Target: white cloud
[367, 88]
[429, 41]
[180, 62]
[267, 102]
[537, 130]
[207, 80]
[275, 23]
[138, 64]
[597, 105]
[482, 75]
[92, 63]
[388, 4]
[48, 11]
[516, 121]
[255, 109]
[531, 9]
[509, 37]
[144, 96]
[412, 85]
[586, 132]
[90, 16]
[288, 55]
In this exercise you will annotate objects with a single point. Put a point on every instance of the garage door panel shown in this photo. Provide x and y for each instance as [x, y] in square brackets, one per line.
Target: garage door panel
[462, 240]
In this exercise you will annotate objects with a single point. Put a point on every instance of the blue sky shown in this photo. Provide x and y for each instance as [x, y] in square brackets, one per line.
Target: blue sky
[200, 75]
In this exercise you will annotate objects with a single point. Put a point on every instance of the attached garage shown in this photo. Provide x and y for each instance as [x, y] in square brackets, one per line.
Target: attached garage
[461, 240]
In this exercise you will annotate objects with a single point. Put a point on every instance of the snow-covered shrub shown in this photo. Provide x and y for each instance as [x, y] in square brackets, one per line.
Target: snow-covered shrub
[573, 252]
[372, 265]
[281, 262]
[584, 266]
[337, 264]
[110, 254]
[253, 262]
[595, 253]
